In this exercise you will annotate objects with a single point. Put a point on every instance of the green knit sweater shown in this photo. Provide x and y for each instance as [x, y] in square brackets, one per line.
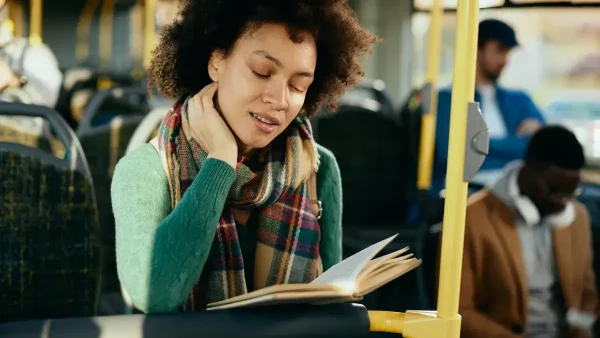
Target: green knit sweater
[160, 254]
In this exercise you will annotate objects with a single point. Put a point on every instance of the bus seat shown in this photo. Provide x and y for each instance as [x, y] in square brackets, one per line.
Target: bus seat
[430, 265]
[370, 90]
[372, 212]
[410, 116]
[28, 131]
[147, 129]
[83, 79]
[378, 152]
[49, 257]
[110, 103]
[104, 146]
[284, 321]
[74, 79]
[76, 75]
[79, 101]
[404, 293]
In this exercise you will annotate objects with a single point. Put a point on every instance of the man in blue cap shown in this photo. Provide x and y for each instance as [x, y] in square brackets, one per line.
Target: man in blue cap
[510, 114]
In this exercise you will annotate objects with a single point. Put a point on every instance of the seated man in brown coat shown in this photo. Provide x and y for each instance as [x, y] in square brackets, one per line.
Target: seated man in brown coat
[527, 268]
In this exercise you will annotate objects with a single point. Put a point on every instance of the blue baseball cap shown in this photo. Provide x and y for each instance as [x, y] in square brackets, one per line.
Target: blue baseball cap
[496, 30]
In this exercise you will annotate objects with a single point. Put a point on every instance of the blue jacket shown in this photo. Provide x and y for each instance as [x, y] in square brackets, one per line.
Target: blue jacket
[514, 105]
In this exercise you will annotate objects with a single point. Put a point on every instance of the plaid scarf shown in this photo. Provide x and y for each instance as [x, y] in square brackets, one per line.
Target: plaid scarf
[288, 233]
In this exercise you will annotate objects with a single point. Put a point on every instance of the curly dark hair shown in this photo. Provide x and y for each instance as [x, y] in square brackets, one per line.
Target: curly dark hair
[179, 64]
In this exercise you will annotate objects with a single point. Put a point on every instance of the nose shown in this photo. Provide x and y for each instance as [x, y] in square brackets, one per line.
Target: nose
[503, 59]
[276, 95]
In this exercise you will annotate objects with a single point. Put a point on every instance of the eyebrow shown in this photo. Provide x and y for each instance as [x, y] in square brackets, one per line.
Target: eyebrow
[270, 57]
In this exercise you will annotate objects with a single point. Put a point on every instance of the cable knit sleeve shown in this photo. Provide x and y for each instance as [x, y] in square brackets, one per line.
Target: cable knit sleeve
[160, 254]
[329, 190]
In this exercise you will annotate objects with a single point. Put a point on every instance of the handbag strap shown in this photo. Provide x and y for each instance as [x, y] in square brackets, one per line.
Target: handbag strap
[313, 196]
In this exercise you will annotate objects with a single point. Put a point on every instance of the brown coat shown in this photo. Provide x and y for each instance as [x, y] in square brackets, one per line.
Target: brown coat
[493, 294]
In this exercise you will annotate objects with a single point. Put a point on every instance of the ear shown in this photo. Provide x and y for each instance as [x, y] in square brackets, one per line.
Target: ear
[216, 65]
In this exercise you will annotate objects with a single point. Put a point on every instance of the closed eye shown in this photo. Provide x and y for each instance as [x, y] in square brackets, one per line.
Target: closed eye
[297, 90]
[262, 76]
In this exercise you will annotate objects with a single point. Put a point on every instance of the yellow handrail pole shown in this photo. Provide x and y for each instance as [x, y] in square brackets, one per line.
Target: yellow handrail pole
[426, 148]
[106, 25]
[84, 24]
[456, 188]
[385, 321]
[15, 13]
[35, 23]
[137, 50]
[473, 33]
[149, 31]
[463, 121]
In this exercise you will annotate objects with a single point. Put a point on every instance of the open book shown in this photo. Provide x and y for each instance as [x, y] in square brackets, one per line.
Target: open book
[347, 281]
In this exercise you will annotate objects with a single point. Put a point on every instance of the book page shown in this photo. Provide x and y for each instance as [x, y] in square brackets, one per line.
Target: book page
[386, 273]
[298, 289]
[376, 263]
[344, 275]
[287, 297]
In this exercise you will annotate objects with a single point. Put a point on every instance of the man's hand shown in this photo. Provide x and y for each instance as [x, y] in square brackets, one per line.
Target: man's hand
[8, 79]
[581, 323]
[528, 127]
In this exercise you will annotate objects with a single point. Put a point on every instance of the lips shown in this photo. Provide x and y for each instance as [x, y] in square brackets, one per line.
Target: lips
[265, 123]
[266, 119]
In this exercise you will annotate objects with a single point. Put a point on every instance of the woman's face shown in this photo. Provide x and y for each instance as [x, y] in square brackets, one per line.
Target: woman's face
[263, 83]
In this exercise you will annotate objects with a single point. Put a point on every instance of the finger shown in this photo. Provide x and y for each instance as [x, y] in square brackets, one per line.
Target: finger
[196, 102]
[207, 98]
[198, 97]
[194, 105]
[206, 89]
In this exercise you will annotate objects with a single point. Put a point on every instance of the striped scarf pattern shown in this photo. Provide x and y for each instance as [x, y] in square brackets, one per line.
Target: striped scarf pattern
[288, 233]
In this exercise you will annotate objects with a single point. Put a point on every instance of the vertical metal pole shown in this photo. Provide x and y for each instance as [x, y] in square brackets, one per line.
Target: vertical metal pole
[35, 24]
[106, 31]
[82, 49]
[149, 31]
[137, 48]
[15, 14]
[472, 32]
[456, 187]
[426, 148]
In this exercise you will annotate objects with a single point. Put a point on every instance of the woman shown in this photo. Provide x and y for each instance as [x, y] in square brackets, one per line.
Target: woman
[223, 207]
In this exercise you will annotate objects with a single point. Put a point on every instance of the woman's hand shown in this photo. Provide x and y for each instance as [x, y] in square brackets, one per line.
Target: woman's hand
[209, 129]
